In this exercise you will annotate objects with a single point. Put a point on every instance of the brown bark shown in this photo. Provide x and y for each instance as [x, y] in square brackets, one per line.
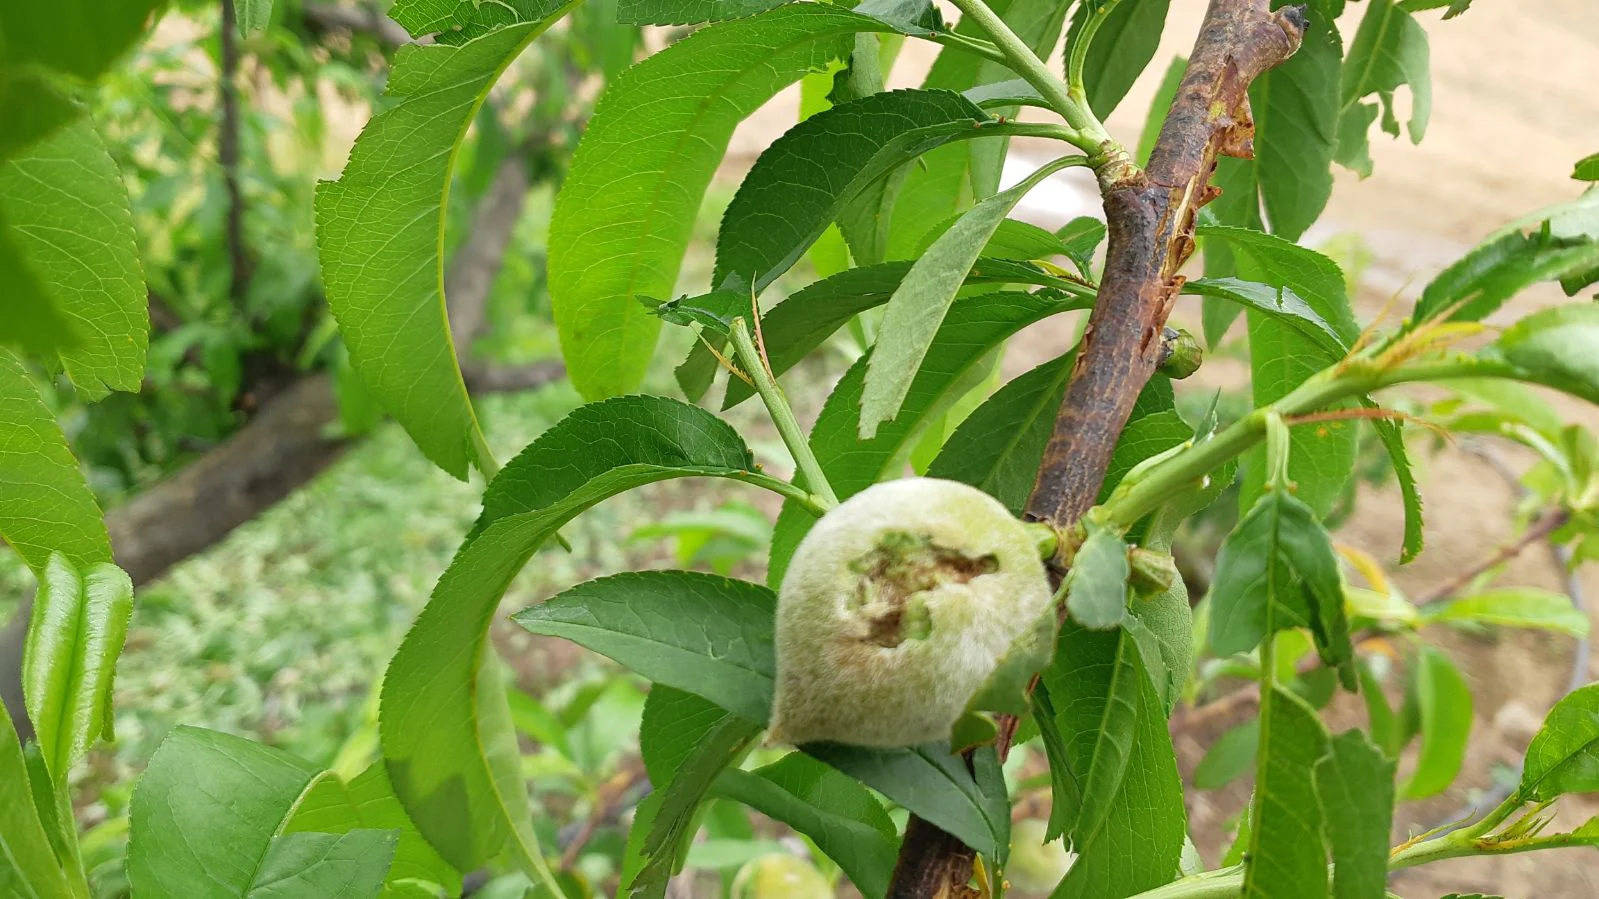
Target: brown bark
[1150, 221]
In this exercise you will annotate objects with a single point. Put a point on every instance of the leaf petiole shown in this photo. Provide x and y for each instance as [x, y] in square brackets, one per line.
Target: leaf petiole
[782, 415]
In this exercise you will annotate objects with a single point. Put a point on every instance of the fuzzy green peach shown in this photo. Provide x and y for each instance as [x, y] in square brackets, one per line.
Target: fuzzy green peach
[895, 608]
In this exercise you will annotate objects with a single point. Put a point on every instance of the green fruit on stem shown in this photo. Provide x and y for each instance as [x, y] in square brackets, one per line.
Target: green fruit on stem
[780, 876]
[1036, 866]
[896, 608]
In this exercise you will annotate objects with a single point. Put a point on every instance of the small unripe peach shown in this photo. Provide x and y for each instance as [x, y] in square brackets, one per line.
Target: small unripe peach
[780, 876]
[895, 609]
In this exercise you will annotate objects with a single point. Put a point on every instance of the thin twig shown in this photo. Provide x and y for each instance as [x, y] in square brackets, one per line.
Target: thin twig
[228, 156]
[1546, 524]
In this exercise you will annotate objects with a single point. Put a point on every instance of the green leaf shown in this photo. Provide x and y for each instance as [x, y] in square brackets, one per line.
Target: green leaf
[1311, 276]
[1586, 169]
[1097, 694]
[1277, 571]
[368, 803]
[1129, 829]
[709, 635]
[1355, 784]
[456, 22]
[430, 705]
[1228, 758]
[206, 821]
[1296, 107]
[1081, 236]
[626, 209]
[74, 637]
[688, 12]
[845, 821]
[1122, 47]
[1389, 51]
[1392, 436]
[1162, 103]
[78, 37]
[931, 782]
[28, 865]
[974, 327]
[1013, 239]
[1444, 705]
[1555, 244]
[800, 184]
[1555, 347]
[801, 323]
[671, 826]
[1287, 856]
[380, 230]
[64, 212]
[1096, 587]
[1279, 302]
[632, 438]
[674, 722]
[999, 447]
[1515, 607]
[917, 309]
[254, 15]
[45, 504]
[1281, 357]
[1564, 756]
[947, 180]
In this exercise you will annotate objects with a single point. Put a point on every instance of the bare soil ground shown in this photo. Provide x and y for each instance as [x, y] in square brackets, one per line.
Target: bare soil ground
[1514, 105]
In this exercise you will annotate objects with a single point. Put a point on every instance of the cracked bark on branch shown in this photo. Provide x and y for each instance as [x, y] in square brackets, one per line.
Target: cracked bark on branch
[1150, 217]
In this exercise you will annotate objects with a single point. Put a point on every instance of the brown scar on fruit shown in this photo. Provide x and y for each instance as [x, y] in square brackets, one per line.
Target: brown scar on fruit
[895, 571]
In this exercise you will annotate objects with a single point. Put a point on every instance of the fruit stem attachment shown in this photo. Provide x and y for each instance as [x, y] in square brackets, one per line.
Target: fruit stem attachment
[782, 415]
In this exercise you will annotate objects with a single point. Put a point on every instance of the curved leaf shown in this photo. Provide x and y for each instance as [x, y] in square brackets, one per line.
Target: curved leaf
[380, 231]
[1122, 47]
[64, 210]
[1124, 812]
[28, 864]
[1287, 854]
[798, 186]
[1295, 106]
[688, 12]
[1278, 302]
[1355, 783]
[845, 821]
[917, 309]
[999, 447]
[671, 820]
[1557, 347]
[429, 718]
[704, 634]
[206, 821]
[368, 803]
[972, 329]
[947, 180]
[1564, 756]
[626, 208]
[1515, 607]
[1389, 50]
[45, 504]
[801, 323]
[1444, 703]
[930, 781]
[74, 637]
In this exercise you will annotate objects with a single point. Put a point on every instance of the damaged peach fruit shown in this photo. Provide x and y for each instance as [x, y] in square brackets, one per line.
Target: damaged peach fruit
[895, 609]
